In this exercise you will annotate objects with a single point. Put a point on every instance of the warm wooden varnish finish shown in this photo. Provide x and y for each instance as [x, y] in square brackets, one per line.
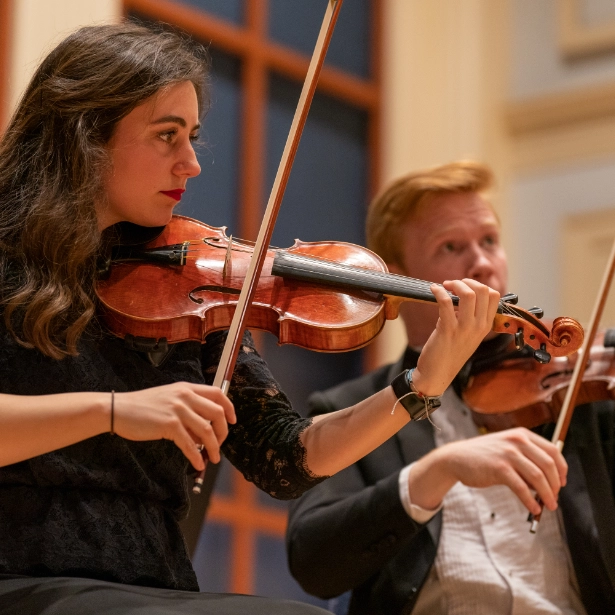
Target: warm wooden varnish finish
[534, 393]
[343, 311]
[153, 301]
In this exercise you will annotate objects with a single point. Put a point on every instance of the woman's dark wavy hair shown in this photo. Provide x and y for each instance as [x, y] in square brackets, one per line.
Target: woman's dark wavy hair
[53, 158]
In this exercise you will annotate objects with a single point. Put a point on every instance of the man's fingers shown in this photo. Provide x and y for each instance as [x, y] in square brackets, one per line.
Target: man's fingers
[521, 489]
[547, 466]
[518, 458]
[552, 451]
[535, 460]
[537, 480]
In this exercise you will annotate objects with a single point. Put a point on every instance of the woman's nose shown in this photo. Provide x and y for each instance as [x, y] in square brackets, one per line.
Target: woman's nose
[188, 165]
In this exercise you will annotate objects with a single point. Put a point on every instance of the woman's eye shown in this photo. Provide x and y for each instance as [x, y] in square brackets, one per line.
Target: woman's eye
[490, 240]
[167, 136]
[195, 137]
[449, 247]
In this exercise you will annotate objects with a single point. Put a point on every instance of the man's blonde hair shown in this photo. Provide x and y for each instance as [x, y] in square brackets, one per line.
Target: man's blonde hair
[403, 199]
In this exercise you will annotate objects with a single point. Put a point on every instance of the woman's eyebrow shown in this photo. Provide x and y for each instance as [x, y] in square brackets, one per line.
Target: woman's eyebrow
[175, 119]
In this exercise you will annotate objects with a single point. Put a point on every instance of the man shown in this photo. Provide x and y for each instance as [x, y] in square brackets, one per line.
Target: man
[434, 520]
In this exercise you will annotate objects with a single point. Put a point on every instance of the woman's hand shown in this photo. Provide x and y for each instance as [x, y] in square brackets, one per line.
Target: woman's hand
[458, 333]
[517, 458]
[189, 414]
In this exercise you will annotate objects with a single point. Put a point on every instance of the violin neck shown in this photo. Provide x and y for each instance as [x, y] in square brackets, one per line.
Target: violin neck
[320, 271]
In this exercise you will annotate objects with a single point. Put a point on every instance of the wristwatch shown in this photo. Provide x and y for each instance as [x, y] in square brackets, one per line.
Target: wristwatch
[417, 405]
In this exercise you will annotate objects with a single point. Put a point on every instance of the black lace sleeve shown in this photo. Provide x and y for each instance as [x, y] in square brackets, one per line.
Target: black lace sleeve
[264, 445]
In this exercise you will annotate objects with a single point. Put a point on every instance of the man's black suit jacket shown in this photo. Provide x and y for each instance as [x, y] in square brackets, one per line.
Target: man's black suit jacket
[351, 532]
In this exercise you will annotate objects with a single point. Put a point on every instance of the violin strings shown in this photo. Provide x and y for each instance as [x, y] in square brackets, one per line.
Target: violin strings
[407, 283]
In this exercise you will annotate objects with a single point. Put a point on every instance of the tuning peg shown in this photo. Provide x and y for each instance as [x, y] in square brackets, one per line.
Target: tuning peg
[519, 339]
[541, 355]
[538, 312]
[510, 298]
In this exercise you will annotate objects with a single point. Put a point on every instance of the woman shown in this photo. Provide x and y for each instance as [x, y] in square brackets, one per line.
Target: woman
[95, 440]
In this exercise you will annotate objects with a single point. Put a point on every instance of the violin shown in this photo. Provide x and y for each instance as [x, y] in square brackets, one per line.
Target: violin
[516, 391]
[325, 296]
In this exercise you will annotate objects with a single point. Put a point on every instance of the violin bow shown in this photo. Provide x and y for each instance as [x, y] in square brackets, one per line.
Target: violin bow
[230, 351]
[565, 413]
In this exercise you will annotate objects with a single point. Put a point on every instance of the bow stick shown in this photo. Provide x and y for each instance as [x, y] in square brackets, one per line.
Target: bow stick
[230, 351]
[565, 414]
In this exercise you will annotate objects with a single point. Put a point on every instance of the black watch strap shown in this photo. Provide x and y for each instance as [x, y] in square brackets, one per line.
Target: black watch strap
[418, 406]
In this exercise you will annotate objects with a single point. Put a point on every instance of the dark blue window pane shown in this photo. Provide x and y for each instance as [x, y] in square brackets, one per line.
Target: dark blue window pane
[224, 478]
[325, 199]
[271, 556]
[227, 9]
[212, 196]
[300, 372]
[211, 559]
[296, 23]
[326, 196]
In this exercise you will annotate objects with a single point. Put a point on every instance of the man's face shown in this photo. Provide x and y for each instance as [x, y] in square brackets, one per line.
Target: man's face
[456, 236]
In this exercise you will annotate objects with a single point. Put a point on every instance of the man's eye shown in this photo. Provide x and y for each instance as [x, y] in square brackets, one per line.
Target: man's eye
[490, 240]
[449, 247]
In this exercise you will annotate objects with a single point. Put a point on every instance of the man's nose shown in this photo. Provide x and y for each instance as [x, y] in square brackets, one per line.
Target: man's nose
[480, 266]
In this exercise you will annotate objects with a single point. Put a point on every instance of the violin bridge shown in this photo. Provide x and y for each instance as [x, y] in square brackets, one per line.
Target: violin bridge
[184, 253]
[227, 258]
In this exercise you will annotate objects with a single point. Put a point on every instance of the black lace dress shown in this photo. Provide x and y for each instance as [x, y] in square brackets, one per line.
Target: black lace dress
[108, 508]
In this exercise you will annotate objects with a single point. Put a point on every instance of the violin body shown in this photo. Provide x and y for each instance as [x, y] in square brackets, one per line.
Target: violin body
[189, 301]
[521, 392]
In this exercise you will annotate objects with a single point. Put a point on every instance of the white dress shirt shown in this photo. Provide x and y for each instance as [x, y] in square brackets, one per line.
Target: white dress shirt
[487, 561]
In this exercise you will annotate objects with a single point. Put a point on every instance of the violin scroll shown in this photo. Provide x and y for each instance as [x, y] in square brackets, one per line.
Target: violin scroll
[564, 338]
[566, 333]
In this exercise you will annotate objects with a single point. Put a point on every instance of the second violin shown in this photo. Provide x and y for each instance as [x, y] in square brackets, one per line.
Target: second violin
[517, 392]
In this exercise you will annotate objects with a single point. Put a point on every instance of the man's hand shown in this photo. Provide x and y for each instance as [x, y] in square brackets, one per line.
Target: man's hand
[517, 458]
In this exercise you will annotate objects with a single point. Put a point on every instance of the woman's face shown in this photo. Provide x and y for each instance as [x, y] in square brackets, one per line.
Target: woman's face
[152, 158]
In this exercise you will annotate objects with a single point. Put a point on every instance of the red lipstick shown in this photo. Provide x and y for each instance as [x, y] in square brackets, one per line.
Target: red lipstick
[174, 194]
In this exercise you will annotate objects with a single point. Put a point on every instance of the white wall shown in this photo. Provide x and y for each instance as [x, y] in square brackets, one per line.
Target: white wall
[38, 25]
[542, 201]
[543, 194]
[445, 75]
[538, 67]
